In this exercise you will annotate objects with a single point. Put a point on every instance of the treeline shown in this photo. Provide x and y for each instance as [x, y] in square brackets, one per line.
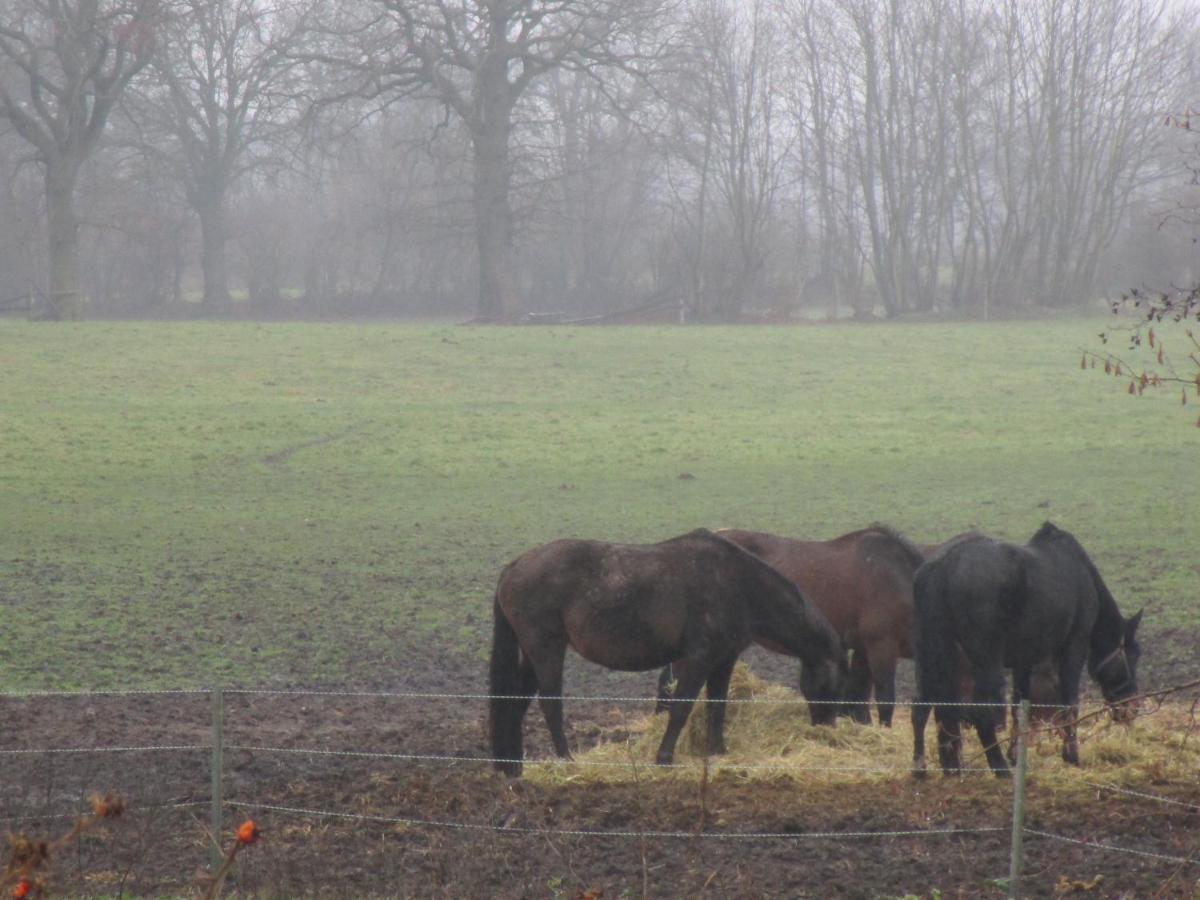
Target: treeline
[715, 159]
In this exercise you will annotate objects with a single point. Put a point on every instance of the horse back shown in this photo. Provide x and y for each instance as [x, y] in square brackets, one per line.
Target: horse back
[627, 606]
[974, 592]
[861, 582]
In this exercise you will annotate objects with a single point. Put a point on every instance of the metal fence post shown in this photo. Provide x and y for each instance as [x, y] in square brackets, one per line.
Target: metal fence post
[216, 854]
[1017, 862]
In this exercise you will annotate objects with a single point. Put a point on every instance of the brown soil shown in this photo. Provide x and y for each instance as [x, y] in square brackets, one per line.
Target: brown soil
[514, 845]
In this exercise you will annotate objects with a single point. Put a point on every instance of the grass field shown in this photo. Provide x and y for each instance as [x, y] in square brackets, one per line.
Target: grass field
[186, 504]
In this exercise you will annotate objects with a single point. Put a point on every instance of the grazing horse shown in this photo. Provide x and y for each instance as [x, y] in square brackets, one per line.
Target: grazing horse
[998, 605]
[697, 598]
[862, 583]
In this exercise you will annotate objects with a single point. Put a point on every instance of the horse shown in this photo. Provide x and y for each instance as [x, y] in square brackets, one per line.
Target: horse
[697, 598]
[862, 583]
[998, 605]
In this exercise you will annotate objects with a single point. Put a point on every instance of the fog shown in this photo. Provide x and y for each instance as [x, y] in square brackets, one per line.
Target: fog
[703, 160]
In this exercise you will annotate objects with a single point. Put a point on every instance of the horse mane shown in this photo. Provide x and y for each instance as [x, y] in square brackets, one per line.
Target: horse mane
[1051, 534]
[911, 550]
[965, 537]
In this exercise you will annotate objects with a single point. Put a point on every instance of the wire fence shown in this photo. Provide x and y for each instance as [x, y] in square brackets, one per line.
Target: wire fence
[219, 806]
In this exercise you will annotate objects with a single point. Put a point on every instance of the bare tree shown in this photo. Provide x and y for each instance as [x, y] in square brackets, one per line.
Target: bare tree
[74, 57]
[220, 101]
[730, 150]
[20, 225]
[584, 177]
[478, 58]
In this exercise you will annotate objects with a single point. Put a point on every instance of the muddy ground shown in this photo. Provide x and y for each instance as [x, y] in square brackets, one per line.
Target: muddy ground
[494, 839]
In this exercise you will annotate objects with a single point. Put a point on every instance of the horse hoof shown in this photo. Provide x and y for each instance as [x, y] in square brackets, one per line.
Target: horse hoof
[1002, 773]
[664, 759]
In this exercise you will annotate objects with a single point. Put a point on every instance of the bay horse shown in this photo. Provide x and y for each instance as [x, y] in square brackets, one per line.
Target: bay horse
[862, 583]
[698, 598]
[997, 605]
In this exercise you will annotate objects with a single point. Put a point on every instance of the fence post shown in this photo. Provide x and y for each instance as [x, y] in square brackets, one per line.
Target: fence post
[1017, 862]
[216, 854]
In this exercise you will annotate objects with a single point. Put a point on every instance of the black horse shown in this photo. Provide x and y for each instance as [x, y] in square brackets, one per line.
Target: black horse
[698, 599]
[1012, 606]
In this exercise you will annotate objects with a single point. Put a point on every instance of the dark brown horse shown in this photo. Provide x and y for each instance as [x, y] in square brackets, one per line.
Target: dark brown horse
[862, 583]
[698, 598]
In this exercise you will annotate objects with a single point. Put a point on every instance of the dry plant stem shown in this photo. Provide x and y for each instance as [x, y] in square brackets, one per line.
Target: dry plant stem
[1128, 369]
[1192, 723]
[1169, 886]
[214, 886]
[14, 875]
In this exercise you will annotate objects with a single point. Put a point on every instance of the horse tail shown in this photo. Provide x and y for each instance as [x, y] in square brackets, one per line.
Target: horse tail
[936, 650]
[1014, 588]
[504, 682]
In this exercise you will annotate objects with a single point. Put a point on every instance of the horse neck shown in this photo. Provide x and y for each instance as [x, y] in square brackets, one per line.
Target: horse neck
[785, 618]
[1109, 629]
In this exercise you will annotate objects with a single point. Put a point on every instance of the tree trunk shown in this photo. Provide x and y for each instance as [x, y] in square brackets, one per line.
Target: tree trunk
[499, 293]
[62, 232]
[210, 208]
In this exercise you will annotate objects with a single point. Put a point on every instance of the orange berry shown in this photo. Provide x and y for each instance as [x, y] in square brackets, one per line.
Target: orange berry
[22, 888]
[248, 833]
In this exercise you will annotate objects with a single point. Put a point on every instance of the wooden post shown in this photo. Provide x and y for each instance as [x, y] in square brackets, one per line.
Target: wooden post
[216, 855]
[1017, 862]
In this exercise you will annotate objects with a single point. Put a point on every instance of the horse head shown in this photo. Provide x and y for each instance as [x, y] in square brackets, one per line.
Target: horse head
[1116, 673]
[822, 684]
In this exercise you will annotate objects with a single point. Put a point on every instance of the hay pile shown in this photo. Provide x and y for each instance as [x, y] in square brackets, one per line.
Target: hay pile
[772, 740]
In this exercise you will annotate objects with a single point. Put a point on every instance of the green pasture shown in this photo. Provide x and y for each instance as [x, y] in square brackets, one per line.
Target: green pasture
[233, 503]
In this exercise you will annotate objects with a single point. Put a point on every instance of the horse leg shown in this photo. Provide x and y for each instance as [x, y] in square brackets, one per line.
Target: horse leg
[687, 688]
[1020, 690]
[1070, 668]
[858, 689]
[881, 658]
[920, 717]
[949, 732]
[988, 690]
[549, 669]
[718, 695]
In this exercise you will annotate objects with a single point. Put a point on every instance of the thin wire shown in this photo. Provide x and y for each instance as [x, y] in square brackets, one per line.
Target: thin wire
[88, 692]
[766, 701]
[128, 809]
[727, 835]
[426, 695]
[155, 749]
[1120, 790]
[1185, 860]
[558, 761]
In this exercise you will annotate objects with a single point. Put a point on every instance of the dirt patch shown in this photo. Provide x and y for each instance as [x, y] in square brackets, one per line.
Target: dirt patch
[484, 835]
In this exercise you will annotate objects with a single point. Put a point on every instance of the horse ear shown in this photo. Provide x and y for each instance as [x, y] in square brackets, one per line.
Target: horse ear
[1132, 623]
